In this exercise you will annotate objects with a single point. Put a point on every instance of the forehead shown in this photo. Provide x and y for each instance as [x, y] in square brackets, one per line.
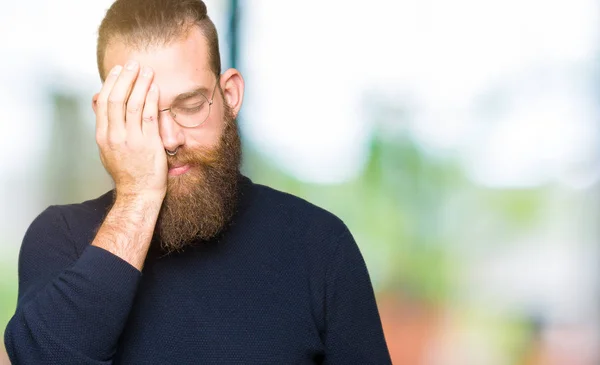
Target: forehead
[179, 66]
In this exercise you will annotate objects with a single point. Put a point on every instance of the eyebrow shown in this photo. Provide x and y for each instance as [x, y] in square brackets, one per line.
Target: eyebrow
[190, 94]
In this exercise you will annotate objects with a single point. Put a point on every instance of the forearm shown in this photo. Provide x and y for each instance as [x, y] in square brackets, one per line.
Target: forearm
[72, 310]
[77, 317]
[128, 228]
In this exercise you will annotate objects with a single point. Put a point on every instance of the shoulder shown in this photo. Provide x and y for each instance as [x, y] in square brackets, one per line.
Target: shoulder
[291, 225]
[296, 211]
[73, 223]
[89, 212]
[55, 240]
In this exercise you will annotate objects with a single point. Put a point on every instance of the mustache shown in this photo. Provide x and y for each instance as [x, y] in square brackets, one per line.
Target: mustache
[197, 156]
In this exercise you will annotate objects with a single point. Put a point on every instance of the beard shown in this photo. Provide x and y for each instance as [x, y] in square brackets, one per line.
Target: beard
[199, 204]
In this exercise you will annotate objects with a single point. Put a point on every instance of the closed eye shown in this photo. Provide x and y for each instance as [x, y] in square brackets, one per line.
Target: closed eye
[190, 109]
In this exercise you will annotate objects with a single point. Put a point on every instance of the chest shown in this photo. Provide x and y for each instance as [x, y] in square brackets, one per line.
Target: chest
[220, 312]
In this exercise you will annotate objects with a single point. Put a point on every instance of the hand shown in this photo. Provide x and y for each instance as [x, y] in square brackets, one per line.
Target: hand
[127, 133]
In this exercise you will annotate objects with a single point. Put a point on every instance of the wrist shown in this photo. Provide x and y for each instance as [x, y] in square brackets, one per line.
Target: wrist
[138, 206]
[148, 197]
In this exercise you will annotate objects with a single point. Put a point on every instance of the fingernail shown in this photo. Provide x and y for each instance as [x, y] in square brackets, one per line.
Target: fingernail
[116, 70]
[130, 65]
[146, 71]
[153, 87]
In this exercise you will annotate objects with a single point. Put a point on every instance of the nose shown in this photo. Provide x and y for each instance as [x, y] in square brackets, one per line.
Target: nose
[170, 132]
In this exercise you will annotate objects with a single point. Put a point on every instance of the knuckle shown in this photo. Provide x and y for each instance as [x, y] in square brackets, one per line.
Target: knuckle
[99, 138]
[115, 140]
[101, 102]
[149, 118]
[133, 107]
[115, 101]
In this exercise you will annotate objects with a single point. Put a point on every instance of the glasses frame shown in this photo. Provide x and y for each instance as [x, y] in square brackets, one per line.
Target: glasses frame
[210, 103]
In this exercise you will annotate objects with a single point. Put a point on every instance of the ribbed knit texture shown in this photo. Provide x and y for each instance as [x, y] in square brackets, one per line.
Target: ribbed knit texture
[284, 284]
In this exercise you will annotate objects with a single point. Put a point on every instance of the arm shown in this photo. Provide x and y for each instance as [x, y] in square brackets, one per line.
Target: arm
[72, 310]
[353, 334]
[127, 229]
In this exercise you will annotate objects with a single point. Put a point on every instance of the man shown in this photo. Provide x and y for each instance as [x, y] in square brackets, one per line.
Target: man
[185, 261]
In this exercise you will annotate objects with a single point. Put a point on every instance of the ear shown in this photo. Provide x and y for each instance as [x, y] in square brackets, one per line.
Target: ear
[95, 102]
[232, 85]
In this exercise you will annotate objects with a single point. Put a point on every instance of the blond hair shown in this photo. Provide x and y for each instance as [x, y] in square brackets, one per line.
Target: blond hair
[140, 24]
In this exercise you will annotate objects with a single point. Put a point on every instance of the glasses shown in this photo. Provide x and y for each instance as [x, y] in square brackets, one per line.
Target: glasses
[193, 109]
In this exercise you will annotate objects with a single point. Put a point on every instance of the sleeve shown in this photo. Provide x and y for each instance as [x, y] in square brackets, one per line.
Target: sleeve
[353, 334]
[71, 309]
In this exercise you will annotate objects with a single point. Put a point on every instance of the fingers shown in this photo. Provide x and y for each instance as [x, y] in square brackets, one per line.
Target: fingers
[102, 103]
[136, 101]
[117, 100]
[131, 149]
[150, 113]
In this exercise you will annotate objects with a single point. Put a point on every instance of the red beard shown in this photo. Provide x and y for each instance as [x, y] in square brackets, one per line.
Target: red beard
[200, 203]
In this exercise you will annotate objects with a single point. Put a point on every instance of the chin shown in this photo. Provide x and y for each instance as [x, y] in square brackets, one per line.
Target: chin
[184, 184]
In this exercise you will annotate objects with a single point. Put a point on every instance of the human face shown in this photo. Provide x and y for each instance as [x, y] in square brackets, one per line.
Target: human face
[179, 68]
[202, 184]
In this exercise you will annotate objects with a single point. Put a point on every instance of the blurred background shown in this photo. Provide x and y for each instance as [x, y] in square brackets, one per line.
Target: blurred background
[459, 141]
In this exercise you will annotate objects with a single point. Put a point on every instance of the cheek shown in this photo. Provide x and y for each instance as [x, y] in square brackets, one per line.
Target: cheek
[206, 135]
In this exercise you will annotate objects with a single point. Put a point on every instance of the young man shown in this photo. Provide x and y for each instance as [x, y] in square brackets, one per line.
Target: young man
[185, 261]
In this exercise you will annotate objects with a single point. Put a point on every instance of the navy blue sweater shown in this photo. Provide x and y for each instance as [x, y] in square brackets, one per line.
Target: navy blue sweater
[284, 284]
